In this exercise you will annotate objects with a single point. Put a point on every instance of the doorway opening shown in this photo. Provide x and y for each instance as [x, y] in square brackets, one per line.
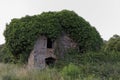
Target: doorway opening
[50, 61]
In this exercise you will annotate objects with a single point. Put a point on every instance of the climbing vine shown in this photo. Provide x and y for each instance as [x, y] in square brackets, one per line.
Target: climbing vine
[21, 34]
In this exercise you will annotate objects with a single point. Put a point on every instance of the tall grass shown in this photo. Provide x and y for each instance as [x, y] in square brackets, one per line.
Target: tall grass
[15, 72]
[70, 72]
[89, 66]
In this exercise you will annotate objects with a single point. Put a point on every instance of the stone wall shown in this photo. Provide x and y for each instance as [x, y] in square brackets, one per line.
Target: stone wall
[37, 56]
[63, 44]
[40, 51]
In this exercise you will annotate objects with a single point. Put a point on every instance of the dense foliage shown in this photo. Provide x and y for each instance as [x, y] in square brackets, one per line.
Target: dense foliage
[5, 56]
[113, 44]
[22, 33]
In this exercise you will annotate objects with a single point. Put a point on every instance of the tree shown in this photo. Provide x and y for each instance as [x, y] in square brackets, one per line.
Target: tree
[113, 44]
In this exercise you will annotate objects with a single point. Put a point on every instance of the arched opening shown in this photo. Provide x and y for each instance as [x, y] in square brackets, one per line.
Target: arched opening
[50, 61]
[49, 43]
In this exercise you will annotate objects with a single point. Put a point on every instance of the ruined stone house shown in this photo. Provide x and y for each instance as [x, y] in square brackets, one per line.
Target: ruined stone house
[45, 50]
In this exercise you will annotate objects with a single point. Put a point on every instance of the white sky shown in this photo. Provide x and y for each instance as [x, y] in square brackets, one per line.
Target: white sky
[103, 14]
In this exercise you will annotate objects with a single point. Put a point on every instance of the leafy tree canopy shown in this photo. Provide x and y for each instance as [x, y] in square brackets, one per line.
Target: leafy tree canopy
[22, 33]
[113, 44]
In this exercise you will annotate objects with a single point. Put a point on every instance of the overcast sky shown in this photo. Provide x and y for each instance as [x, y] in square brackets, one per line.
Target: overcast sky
[103, 14]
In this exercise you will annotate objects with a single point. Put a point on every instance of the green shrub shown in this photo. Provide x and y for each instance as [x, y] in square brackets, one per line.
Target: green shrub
[71, 71]
[72, 56]
[99, 57]
[5, 55]
[113, 44]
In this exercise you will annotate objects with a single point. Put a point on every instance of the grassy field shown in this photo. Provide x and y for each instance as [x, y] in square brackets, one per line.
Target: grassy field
[89, 66]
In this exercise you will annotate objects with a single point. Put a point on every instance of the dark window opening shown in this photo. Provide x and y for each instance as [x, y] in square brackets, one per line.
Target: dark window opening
[49, 43]
[50, 61]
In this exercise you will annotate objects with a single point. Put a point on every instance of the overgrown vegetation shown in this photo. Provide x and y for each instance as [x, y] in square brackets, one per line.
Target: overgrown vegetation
[22, 33]
[5, 55]
[113, 44]
[89, 66]
[92, 65]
